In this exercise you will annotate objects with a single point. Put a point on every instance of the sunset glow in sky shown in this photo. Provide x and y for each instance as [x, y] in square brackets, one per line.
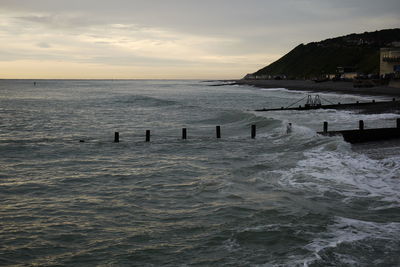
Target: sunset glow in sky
[170, 39]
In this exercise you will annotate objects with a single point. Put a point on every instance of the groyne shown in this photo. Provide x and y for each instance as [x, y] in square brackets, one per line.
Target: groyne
[369, 106]
[361, 134]
[352, 136]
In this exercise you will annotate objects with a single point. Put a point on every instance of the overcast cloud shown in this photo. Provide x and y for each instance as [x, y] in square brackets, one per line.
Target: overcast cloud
[170, 38]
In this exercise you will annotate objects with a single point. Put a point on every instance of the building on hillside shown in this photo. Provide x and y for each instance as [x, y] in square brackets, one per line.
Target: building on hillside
[249, 76]
[252, 76]
[347, 73]
[390, 61]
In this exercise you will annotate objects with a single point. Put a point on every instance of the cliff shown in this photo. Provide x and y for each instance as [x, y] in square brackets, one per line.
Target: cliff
[314, 59]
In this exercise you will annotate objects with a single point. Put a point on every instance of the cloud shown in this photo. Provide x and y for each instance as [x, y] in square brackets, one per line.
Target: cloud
[236, 36]
[119, 46]
[43, 45]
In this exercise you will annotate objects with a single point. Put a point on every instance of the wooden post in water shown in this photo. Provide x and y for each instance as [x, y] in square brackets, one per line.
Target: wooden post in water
[361, 125]
[116, 137]
[253, 131]
[373, 101]
[184, 134]
[147, 135]
[394, 99]
[218, 130]
[325, 127]
[398, 123]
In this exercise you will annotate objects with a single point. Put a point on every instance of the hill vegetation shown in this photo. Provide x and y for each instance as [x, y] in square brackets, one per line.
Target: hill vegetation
[317, 58]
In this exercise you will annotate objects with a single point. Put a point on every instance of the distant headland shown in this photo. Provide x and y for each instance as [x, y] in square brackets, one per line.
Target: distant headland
[366, 63]
[355, 52]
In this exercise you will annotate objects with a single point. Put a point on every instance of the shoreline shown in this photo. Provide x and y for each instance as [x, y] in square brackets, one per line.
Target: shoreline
[331, 87]
[335, 87]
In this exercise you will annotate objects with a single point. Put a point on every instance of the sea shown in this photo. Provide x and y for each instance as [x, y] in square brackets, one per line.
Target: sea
[71, 196]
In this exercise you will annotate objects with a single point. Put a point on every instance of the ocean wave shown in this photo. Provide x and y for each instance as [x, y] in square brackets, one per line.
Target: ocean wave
[144, 101]
[239, 118]
[369, 241]
[337, 169]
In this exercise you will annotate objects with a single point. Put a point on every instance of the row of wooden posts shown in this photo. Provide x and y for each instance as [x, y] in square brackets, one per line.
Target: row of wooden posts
[360, 125]
[253, 131]
[184, 133]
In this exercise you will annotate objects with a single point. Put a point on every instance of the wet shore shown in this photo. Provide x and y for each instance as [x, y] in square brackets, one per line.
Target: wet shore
[336, 87]
[330, 86]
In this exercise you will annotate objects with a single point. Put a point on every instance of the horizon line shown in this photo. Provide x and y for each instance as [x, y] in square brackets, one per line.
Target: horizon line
[125, 79]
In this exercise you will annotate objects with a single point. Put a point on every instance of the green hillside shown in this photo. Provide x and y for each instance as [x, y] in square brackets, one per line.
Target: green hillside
[355, 50]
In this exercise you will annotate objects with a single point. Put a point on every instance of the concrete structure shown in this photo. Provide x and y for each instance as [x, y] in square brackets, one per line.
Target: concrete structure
[389, 61]
[347, 73]
[251, 76]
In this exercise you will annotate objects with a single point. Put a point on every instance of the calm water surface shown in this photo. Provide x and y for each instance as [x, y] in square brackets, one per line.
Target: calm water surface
[282, 199]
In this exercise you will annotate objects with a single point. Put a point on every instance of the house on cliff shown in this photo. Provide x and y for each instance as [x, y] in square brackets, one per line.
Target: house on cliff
[390, 61]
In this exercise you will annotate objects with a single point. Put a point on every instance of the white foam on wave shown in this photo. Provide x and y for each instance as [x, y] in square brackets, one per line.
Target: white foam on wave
[281, 134]
[349, 95]
[342, 231]
[379, 117]
[337, 119]
[338, 169]
[284, 90]
[231, 245]
[299, 131]
[345, 230]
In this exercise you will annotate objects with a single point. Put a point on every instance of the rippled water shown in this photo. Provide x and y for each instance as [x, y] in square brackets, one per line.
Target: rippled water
[279, 200]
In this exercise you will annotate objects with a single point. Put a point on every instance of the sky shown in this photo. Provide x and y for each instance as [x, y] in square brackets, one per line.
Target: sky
[171, 39]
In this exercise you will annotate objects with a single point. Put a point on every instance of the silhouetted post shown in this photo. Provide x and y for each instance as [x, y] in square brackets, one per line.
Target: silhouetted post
[299, 106]
[325, 127]
[281, 107]
[373, 101]
[361, 125]
[338, 103]
[184, 135]
[218, 129]
[398, 123]
[147, 135]
[394, 99]
[116, 137]
[253, 131]
[357, 102]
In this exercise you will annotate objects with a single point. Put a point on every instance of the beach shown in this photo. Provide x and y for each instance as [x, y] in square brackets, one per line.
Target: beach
[330, 86]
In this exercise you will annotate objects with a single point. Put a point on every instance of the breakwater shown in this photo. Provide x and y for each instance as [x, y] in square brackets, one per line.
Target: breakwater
[365, 135]
[372, 105]
[352, 136]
